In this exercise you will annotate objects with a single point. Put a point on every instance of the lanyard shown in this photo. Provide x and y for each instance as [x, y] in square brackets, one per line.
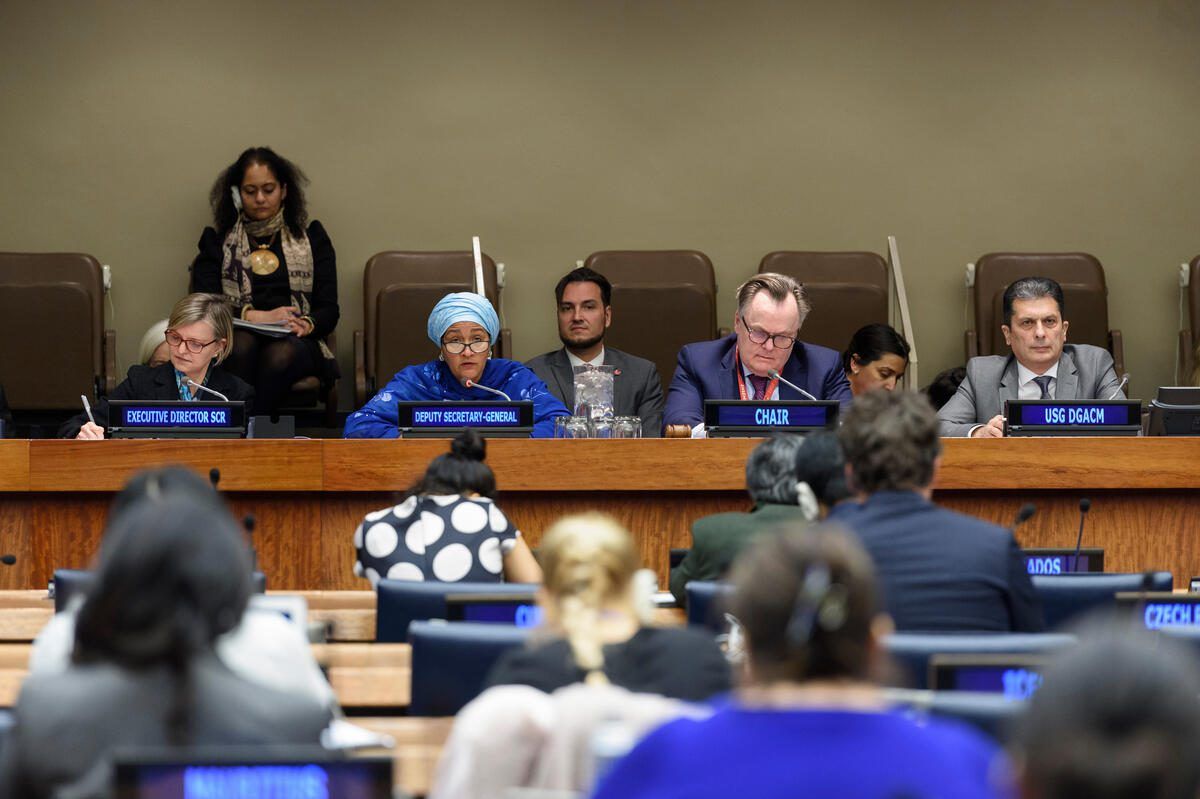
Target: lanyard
[741, 380]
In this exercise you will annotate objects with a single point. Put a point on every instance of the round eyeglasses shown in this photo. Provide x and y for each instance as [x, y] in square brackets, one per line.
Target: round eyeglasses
[457, 347]
[174, 340]
[780, 341]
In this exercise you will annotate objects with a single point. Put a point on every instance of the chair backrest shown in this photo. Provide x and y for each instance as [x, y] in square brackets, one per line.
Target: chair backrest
[912, 651]
[1085, 294]
[70, 583]
[400, 288]
[1067, 596]
[647, 284]
[451, 661]
[398, 603]
[846, 290]
[705, 604]
[51, 329]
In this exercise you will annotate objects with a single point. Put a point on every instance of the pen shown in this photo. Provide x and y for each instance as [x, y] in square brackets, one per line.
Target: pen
[87, 408]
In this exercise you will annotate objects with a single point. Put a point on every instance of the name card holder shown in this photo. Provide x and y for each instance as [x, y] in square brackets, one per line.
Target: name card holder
[178, 419]
[448, 419]
[1072, 417]
[1155, 610]
[754, 418]
[1056, 560]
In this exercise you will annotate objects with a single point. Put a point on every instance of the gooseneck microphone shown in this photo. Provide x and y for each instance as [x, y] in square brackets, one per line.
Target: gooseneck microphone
[8, 559]
[469, 383]
[1023, 515]
[1121, 385]
[214, 477]
[248, 523]
[207, 390]
[774, 375]
[1085, 505]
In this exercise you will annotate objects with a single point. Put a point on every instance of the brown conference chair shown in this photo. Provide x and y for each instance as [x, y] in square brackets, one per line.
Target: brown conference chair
[846, 290]
[53, 344]
[662, 299]
[1084, 292]
[400, 288]
[1189, 337]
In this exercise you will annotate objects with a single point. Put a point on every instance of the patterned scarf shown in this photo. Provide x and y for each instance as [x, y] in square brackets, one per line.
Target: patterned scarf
[297, 256]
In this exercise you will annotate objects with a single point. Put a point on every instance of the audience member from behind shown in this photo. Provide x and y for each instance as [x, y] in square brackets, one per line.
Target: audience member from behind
[276, 268]
[777, 497]
[199, 336]
[820, 466]
[264, 647]
[1041, 366]
[173, 576]
[944, 386]
[808, 719]
[597, 620]
[940, 570]
[1116, 717]
[448, 528]
[584, 299]
[464, 326]
[154, 350]
[876, 358]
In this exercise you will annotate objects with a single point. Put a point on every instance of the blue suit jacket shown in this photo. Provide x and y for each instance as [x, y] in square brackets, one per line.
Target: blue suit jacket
[706, 371]
[940, 570]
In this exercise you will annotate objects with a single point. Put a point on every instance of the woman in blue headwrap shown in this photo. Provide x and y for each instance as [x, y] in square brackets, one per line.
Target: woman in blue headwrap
[463, 325]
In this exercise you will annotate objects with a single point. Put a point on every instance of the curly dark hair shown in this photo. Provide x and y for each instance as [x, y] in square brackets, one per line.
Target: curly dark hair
[295, 207]
[890, 439]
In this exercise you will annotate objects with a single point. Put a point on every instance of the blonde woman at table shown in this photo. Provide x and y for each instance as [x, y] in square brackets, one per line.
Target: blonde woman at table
[199, 334]
[448, 528]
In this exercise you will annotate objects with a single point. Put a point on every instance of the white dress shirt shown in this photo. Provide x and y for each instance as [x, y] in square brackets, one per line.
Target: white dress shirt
[1029, 390]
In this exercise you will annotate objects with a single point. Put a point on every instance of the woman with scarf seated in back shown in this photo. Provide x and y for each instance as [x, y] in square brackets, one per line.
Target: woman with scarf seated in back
[464, 326]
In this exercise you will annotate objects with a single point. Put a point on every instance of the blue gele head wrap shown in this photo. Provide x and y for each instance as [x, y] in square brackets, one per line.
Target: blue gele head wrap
[462, 306]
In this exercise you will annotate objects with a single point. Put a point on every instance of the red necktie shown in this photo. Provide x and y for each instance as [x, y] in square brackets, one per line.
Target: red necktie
[760, 386]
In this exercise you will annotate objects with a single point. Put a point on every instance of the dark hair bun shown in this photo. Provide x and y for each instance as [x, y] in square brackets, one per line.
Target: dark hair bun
[468, 445]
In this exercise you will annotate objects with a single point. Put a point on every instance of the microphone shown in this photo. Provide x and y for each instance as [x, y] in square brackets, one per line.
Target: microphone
[1023, 515]
[207, 390]
[248, 522]
[1121, 385]
[8, 559]
[469, 383]
[1085, 505]
[774, 375]
[214, 477]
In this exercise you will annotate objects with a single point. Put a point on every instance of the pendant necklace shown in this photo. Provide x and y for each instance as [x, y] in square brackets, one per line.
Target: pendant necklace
[262, 261]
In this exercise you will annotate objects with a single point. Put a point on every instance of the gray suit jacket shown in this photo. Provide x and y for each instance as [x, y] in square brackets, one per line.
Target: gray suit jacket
[1084, 372]
[637, 389]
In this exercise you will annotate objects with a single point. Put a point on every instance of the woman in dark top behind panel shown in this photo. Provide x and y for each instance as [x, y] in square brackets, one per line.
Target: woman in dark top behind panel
[197, 336]
[276, 268]
[595, 625]
[877, 357]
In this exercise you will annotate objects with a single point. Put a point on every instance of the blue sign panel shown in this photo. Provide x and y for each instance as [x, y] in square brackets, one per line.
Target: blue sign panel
[1074, 414]
[444, 415]
[185, 415]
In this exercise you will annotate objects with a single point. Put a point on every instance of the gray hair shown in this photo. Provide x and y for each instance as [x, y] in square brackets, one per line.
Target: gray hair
[1031, 288]
[154, 336]
[771, 470]
[890, 439]
[778, 287]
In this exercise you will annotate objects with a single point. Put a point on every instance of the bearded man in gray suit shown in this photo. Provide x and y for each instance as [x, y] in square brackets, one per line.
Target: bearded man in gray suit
[1042, 365]
[584, 298]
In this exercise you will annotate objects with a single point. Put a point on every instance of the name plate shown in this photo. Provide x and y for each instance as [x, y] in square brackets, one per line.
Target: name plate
[147, 419]
[1015, 677]
[759, 418]
[1073, 417]
[446, 418]
[1156, 610]
[1063, 561]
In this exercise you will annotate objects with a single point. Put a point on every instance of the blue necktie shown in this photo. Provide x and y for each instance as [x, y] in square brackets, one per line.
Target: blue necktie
[1043, 382]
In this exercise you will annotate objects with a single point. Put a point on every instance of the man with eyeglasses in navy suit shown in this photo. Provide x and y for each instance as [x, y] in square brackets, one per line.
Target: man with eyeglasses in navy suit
[771, 310]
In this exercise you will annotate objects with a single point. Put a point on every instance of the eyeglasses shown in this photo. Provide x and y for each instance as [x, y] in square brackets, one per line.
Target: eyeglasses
[457, 347]
[781, 342]
[174, 340]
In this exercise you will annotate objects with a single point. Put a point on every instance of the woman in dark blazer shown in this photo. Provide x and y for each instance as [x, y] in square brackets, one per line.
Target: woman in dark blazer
[200, 336]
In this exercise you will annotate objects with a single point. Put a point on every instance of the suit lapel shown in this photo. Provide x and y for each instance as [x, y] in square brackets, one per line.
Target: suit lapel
[1010, 384]
[729, 381]
[621, 386]
[560, 367]
[1067, 381]
[796, 370]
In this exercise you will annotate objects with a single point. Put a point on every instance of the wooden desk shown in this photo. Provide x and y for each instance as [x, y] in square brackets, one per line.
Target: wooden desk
[308, 496]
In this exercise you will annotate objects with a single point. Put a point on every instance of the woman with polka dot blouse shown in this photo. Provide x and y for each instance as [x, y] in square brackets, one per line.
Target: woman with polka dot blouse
[447, 529]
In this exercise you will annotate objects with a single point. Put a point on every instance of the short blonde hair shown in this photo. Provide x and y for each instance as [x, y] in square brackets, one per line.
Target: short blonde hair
[778, 287]
[153, 337]
[211, 308]
[587, 560]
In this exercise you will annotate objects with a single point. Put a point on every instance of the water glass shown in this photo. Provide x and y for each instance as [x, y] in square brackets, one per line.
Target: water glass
[627, 427]
[571, 427]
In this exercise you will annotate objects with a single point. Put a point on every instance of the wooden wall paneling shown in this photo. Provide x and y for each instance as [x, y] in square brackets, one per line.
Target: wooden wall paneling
[15, 513]
[340, 515]
[287, 536]
[65, 532]
[14, 465]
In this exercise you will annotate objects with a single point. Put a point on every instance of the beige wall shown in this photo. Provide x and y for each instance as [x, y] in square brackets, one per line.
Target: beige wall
[554, 129]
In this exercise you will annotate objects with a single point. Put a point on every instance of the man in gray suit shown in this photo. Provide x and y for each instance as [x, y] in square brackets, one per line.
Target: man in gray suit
[584, 314]
[1042, 365]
